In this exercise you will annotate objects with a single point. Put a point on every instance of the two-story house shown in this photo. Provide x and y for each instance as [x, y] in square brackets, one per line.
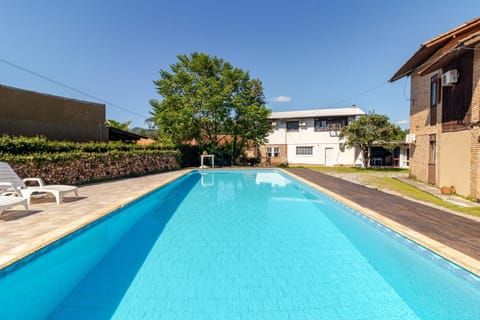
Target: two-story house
[311, 137]
[445, 109]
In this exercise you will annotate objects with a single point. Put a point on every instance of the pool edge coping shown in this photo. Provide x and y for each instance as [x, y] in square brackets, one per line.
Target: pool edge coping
[51, 237]
[455, 256]
[465, 261]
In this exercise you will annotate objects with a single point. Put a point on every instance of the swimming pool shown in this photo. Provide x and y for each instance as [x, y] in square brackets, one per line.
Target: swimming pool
[237, 245]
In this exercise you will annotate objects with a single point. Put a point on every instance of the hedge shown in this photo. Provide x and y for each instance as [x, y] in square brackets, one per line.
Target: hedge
[74, 163]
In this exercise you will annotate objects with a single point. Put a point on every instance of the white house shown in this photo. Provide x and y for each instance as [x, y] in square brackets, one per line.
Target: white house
[311, 137]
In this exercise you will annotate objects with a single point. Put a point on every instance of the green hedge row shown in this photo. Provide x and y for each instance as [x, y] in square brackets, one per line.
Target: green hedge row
[75, 155]
[40, 150]
[38, 145]
[76, 163]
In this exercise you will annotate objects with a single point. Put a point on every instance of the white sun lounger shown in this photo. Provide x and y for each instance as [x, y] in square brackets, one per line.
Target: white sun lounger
[10, 181]
[10, 201]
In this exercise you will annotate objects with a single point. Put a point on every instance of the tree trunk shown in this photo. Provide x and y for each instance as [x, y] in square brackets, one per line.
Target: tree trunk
[365, 157]
[234, 148]
[369, 155]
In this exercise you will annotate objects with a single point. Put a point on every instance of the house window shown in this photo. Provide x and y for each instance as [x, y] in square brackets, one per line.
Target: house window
[320, 124]
[328, 124]
[457, 103]
[268, 152]
[292, 125]
[434, 98]
[276, 152]
[433, 149]
[304, 151]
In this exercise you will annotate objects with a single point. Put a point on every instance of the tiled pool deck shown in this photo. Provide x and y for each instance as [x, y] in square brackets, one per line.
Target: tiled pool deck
[23, 233]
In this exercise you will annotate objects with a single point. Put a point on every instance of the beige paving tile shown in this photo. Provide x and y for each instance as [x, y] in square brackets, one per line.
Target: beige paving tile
[22, 233]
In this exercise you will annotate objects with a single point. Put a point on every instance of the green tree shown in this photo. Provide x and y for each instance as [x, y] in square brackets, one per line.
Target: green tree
[119, 125]
[206, 99]
[368, 129]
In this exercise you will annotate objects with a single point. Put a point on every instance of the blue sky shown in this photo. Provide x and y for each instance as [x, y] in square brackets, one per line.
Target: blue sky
[311, 54]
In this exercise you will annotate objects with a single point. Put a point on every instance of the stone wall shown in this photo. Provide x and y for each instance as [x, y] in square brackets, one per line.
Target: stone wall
[81, 171]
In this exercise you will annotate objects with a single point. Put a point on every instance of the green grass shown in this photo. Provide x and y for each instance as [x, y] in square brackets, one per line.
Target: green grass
[352, 169]
[388, 183]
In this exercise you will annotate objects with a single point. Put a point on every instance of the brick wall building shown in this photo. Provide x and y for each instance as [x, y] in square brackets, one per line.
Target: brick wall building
[445, 109]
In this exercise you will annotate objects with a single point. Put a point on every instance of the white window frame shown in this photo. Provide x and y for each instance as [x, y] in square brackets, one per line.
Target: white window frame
[276, 152]
[268, 152]
[304, 151]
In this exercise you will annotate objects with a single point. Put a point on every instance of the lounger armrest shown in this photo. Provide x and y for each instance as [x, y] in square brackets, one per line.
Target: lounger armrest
[6, 185]
[37, 180]
[9, 188]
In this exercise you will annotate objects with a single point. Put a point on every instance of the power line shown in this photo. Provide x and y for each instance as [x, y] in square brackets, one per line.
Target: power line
[71, 88]
[358, 94]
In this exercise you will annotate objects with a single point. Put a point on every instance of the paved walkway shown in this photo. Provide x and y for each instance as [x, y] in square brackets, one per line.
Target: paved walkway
[448, 231]
[22, 233]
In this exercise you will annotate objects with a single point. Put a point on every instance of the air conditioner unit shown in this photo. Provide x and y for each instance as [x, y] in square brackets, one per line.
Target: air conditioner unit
[302, 123]
[274, 123]
[450, 77]
[410, 138]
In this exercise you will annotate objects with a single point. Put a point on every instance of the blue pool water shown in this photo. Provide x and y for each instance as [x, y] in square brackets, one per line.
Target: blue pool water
[237, 245]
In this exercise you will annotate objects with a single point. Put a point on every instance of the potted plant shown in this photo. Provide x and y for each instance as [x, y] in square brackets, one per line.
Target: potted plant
[447, 190]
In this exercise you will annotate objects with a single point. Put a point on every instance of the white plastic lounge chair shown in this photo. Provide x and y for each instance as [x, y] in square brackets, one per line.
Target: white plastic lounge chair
[10, 181]
[10, 201]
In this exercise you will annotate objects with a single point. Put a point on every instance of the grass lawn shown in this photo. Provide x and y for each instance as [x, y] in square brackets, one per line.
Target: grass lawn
[375, 178]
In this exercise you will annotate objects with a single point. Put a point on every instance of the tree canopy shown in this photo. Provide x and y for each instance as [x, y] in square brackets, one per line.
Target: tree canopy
[208, 100]
[369, 129]
[119, 125]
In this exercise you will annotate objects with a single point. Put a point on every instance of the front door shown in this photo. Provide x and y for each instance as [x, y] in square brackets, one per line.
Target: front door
[432, 162]
[329, 157]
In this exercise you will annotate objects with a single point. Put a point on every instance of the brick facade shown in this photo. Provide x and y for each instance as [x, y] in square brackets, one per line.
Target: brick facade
[475, 143]
[447, 148]
[421, 127]
[273, 160]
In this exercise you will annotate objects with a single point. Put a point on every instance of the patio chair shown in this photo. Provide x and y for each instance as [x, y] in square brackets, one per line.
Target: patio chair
[10, 181]
[10, 201]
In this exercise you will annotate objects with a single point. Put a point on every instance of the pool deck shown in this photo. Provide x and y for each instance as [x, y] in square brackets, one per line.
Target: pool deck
[454, 236]
[22, 233]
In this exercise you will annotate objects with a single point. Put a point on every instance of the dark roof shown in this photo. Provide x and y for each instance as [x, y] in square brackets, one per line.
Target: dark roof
[451, 44]
[15, 89]
[115, 134]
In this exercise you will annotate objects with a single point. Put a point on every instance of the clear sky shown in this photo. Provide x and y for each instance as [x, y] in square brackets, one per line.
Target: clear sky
[308, 54]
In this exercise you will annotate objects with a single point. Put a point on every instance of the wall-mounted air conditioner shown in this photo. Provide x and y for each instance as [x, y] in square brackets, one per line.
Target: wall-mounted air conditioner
[450, 77]
[410, 138]
[274, 123]
[302, 123]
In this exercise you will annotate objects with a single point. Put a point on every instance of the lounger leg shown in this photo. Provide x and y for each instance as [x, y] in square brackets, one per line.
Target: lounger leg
[58, 196]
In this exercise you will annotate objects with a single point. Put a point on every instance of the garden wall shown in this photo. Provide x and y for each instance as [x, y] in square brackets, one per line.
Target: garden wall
[96, 167]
